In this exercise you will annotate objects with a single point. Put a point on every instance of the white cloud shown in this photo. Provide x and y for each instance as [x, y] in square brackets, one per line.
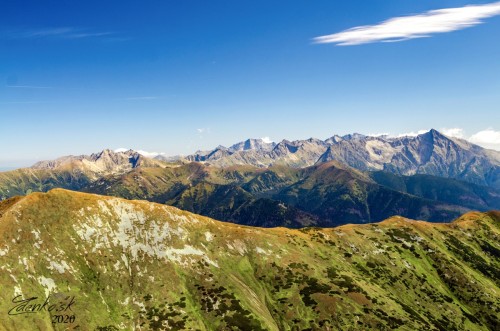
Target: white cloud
[399, 135]
[412, 133]
[267, 140]
[488, 138]
[453, 132]
[143, 153]
[120, 150]
[379, 134]
[150, 154]
[202, 131]
[416, 26]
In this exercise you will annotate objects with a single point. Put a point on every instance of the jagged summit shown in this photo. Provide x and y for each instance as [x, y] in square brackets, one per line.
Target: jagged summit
[252, 144]
[353, 136]
[104, 162]
[220, 152]
[431, 153]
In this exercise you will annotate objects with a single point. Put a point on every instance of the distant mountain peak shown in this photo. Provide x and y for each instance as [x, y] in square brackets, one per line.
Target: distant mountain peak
[353, 136]
[252, 144]
[428, 152]
[106, 161]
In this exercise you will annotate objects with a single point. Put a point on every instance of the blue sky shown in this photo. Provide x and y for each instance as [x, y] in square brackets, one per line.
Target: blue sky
[178, 76]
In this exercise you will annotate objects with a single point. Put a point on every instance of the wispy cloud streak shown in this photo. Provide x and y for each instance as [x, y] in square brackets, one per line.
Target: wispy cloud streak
[60, 33]
[416, 26]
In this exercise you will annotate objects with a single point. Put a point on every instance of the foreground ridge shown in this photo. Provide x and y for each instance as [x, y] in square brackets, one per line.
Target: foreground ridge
[130, 264]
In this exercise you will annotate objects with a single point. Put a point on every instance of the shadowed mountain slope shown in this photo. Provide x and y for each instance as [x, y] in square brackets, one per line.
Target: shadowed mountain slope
[324, 195]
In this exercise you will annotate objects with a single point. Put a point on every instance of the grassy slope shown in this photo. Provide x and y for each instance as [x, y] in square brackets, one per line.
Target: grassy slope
[325, 195]
[445, 189]
[338, 194]
[134, 263]
[334, 193]
[25, 181]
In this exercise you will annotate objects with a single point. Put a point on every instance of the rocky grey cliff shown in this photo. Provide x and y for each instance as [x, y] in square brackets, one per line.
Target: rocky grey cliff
[431, 153]
[103, 163]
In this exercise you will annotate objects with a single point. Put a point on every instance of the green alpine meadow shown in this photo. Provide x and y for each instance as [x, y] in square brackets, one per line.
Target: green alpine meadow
[79, 261]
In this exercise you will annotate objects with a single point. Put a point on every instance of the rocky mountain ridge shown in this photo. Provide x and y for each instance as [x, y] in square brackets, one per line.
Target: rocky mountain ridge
[103, 163]
[430, 153]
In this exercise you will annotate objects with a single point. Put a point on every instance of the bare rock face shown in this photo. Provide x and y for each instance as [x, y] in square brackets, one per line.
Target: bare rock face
[431, 153]
[298, 153]
[216, 154]
[103, 163]
[252, 144]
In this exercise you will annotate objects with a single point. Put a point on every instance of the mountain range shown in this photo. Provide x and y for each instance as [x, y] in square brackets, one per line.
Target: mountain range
[327, 193]
[71, 172]
[100, 164]
[430, 153]
[104, 263]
